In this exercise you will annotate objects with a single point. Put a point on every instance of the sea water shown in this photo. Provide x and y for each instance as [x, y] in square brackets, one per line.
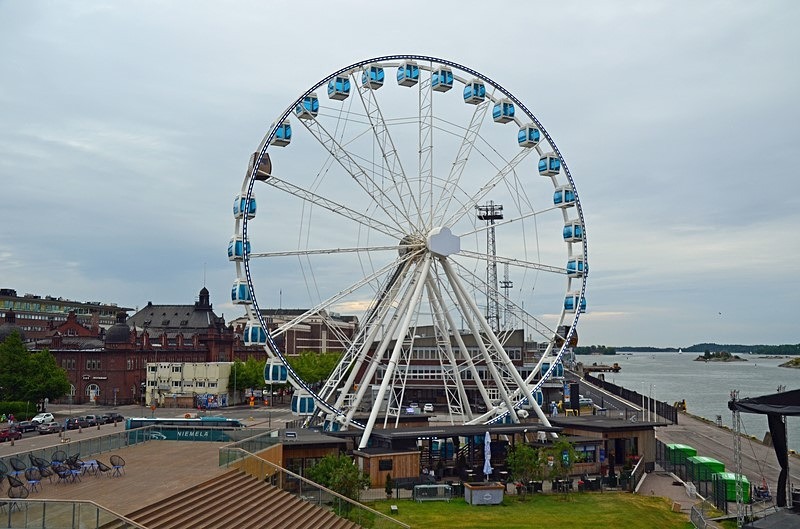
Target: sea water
[706, 386]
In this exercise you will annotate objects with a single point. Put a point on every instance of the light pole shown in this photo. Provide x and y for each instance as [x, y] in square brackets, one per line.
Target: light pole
[234, 381]
[650, 402]
[642, 399]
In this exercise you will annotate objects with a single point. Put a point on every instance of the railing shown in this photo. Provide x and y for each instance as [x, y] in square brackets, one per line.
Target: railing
[61, 514]
[307, 490]
[662, 409]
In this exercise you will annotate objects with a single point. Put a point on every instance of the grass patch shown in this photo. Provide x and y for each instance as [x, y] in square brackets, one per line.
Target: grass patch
[574, 511]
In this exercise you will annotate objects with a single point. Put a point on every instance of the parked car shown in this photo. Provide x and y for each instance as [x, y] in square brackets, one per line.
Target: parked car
[26, 426]
[93, 420]
[585, 401]
[49, 427]
[43, 417]
[428, 408]
[7, 434]
[113, 416]
[76, 422]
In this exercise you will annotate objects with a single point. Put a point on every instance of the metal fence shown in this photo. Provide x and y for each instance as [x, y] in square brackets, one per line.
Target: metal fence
[662, 409]
[60, 514]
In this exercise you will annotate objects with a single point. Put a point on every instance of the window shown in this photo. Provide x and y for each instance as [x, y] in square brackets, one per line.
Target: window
[176, 383]
[177, 369]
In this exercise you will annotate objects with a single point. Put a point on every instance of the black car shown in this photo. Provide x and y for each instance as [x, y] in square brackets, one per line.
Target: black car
[25, 426]
[113, 416]
[74, 423]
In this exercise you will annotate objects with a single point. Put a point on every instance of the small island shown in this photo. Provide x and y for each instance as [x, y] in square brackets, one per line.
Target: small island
[794, 362]
[721, 356]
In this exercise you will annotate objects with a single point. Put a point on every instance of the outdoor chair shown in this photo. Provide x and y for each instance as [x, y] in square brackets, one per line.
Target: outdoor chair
[17, 493]
[102, 467]
[18, 465]
[14, 482]
[64, 474]
[3, 468]
[34, 479]
[47, 472]
[59, 456]
[38, 462]
[118, 464]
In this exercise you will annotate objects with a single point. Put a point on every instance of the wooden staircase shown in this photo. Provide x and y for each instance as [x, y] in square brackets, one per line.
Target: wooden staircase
[238, 500]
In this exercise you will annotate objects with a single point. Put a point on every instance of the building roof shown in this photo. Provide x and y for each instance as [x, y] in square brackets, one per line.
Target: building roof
[176, 319]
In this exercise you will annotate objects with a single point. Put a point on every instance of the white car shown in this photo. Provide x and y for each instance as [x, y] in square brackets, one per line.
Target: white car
[43, 418]
[585, 401]
[428, 408]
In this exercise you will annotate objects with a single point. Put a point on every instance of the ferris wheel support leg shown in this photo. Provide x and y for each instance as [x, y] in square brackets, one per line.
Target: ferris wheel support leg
[468, 306]
[436, 298]
[413, 300]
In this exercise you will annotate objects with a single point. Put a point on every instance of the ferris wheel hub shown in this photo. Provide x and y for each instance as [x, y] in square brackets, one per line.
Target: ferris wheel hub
[442, 242]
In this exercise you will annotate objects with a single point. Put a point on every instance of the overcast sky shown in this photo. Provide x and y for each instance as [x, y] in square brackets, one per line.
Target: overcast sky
[126, 127]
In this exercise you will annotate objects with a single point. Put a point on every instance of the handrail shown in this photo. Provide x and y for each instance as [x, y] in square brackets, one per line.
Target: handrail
[28, 502]
[313, 484]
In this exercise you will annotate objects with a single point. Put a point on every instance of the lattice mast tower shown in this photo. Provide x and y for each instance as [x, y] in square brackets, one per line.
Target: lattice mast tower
[490, 213]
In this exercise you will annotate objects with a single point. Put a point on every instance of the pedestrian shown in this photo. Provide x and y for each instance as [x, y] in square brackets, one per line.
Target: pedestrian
[10, 418]
[3, 418]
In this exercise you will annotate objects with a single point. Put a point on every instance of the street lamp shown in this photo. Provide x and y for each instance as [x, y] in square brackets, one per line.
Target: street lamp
[234, 381]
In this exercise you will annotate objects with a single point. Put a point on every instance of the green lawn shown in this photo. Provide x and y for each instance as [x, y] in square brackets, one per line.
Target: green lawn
[575, 511]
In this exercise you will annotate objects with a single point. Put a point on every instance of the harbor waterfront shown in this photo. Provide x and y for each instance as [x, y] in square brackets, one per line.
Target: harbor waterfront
[706, 386]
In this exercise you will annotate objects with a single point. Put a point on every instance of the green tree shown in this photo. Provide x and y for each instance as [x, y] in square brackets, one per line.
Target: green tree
[339, 473]
[526, 464]
[248, 374]
[314, 368]
[563, 457]
[26, 376]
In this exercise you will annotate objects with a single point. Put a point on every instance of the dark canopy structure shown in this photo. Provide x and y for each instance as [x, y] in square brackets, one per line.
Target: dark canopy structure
[776, 407]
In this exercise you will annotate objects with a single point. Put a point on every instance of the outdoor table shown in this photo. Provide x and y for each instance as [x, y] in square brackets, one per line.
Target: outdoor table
[89, 466]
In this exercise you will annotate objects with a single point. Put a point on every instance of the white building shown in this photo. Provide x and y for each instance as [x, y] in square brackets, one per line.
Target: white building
[185, 385]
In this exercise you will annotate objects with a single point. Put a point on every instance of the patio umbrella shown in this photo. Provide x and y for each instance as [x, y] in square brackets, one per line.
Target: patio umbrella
[487, 456]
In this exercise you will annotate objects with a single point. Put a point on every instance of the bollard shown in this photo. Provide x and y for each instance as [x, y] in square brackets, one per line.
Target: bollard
[98, 426]
[115, 423]
[80, 429]
[12, 441]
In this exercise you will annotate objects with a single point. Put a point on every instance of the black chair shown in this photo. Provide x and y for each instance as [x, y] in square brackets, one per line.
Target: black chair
[38, 462]
[34, 479]
[64, 474]
[59, 456]
[17, 493]
[18, 465]
[102, 468]
[118, 465]
[14, 482]
[47, 472]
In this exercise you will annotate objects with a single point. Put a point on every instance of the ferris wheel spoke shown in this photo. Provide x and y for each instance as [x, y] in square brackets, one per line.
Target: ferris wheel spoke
[329, 251]
[373, 190]
[478, 197]
[334, 207]
[560, 270]
[391, 161]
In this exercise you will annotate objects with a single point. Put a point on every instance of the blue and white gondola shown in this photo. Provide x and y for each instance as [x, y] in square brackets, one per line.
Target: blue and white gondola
[549, 165]
[474, 92]
[576, 266]
[243, 207]
[236, 248]
[302, 403]
[503, 111]
[254, 334]
[339, 87]
[308, 108]
[408, 73]
[572, 303]
[442, 79]
[564, 197]
[573, 231]
[275, 372]
[528, 136]
[240, 293]
[372, 77]
[283, 135]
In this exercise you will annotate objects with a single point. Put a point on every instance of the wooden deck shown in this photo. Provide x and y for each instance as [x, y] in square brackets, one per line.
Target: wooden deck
[153, 471]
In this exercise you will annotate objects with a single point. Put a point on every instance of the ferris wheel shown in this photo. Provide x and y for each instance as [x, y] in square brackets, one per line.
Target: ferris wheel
[423, 198]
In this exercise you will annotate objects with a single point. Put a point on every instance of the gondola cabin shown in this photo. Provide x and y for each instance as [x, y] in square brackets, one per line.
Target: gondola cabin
[264, 166]
[576, 266]
[408, 73]
[302, 403]
[254, 334]
[243, 207]
[573, 231]
[558, 370]
[339, 87]
[474, 92]
[574, 301]
[549, 165]
[283, 135]
[240, 293]
[537, 397]
[503, 111]
[372, 77]
[442, 79]
[236, 248]
[308, 108]
[528, 136]
[275, 372]
[564, 197]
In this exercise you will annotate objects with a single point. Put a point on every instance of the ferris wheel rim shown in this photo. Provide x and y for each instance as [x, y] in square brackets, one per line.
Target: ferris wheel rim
[266, 143]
